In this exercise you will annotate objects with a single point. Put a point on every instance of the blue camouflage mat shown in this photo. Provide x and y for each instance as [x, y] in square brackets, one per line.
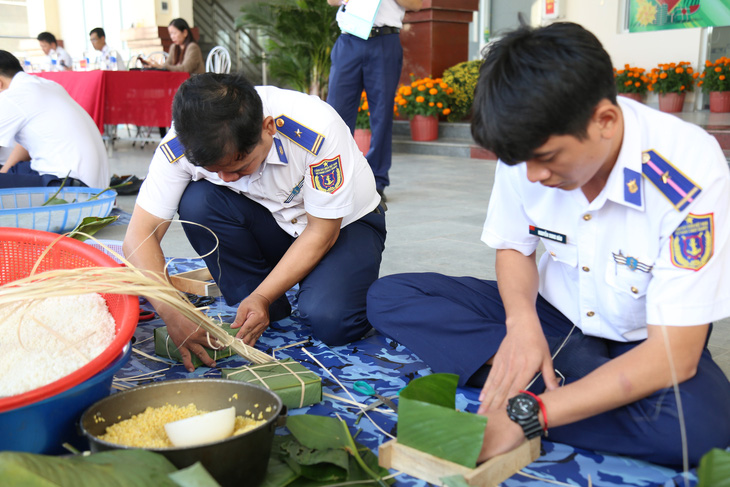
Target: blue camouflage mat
[389, 367]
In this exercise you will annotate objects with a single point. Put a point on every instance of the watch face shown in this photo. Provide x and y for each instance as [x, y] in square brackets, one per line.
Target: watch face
[522, 407]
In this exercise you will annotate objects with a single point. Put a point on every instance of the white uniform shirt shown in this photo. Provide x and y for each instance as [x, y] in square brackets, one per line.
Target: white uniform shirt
[620, 266]
[104, 59]
[389, 13]
[287, 189]
[57, 133]
[62, 56]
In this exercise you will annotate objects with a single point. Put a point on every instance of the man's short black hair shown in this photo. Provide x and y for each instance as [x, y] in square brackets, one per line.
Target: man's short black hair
[217, 115]
[47, 37]
[98, 31]
[536, 83]
[9, 64]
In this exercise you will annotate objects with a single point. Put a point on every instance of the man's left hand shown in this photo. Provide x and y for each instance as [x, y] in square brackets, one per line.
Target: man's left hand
[252, 317]
[501, 436]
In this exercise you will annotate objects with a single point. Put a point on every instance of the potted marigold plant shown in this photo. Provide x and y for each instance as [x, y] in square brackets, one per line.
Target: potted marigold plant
[423, 101]
[715, 80]
[672, 82]
[631, 82]
[362, 125]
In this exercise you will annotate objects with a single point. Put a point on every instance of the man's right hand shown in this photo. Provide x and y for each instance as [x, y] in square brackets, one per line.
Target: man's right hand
[189, 339]
[523, 352]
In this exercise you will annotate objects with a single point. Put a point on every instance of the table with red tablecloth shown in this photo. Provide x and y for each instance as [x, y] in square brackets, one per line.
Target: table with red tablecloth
[142, 98]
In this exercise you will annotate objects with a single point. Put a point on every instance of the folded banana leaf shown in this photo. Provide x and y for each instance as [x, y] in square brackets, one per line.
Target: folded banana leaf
[428, 421]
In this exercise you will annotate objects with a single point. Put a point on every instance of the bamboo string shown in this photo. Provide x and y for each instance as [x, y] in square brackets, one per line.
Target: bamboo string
[120, 280]
[362, 409]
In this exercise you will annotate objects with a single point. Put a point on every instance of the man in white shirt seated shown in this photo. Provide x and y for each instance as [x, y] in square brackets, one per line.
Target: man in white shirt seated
[55, 136]
[54, 52]
[108, 58]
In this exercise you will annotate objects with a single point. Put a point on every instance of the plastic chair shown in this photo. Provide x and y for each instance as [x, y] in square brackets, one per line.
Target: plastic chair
[218, 61]
[157, 56]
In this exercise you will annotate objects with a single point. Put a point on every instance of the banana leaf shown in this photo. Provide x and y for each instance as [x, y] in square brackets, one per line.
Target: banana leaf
[429, 422]
[116, 468]
[714, 469]
[193, 476]
[90, 225]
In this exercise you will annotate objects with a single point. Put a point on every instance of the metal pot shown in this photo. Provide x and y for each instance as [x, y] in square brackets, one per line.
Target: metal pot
[240, 460]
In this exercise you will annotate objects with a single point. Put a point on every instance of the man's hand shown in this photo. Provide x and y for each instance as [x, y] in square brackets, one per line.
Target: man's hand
[501, 436]
[523, 352]
[252, 317]
[190, 339]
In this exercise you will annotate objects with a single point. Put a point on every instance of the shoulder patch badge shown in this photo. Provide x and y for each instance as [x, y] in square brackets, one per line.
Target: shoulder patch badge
[692, 243]
[675, 186]
[304, 137]
[173, 150]
[327, 175]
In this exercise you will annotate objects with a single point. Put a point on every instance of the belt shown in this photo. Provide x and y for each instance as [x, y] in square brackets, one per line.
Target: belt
[384, 30]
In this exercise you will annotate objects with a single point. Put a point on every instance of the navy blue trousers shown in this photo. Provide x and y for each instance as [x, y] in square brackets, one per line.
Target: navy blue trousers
[455, 324]
[22, 176]
[331, 298]
[375, 66]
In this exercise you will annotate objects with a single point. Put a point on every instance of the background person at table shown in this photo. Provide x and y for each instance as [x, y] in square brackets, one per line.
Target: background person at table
[276, 175]
[108, 58]
[52, 50]
[185, 54]
[55, 136]
[633, 208]
[374, 65]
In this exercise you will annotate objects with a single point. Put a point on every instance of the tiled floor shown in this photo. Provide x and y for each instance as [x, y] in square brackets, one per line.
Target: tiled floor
[436, 208]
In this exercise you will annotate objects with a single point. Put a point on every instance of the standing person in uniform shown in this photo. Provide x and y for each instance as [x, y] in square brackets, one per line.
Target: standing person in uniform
[280, 181]
[53, 136]
[373, 65]
[633, 208]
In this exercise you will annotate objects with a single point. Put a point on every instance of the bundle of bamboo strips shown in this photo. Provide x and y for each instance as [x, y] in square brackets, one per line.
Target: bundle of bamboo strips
[120, 280]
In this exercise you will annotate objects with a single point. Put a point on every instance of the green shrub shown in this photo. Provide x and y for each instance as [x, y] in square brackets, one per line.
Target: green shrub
[463, 79]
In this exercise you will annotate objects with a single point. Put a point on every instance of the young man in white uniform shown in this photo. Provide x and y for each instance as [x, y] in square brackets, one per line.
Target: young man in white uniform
[276, 175]
[54, 134]
[50, 48]
[633, 208]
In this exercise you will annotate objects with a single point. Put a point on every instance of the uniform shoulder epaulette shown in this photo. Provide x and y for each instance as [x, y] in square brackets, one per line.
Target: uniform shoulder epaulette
[304, 137]
[670, 181]
[172, 149]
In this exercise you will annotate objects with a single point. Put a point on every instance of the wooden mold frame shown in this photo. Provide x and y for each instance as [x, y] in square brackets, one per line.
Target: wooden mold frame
[198, 282]
[431, 469]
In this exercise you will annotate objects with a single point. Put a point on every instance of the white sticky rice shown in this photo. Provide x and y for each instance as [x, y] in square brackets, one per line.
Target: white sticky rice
[51, 338]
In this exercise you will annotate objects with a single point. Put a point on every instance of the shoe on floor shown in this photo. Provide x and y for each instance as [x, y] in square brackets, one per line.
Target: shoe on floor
[132, 186]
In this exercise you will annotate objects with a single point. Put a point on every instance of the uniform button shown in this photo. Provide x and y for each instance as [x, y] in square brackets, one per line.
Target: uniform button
[552, 253]
[294, 220]
[587, 216]
[634, 290]
[585, 269]
[590, 313]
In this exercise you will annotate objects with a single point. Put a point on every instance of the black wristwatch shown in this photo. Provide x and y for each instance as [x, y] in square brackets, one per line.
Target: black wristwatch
[523, 409]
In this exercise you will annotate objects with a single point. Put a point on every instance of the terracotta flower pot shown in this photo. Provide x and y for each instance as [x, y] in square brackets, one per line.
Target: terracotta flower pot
[671, 102]
[362, 139]
[634, 96]
[424, 128]
[720, 101]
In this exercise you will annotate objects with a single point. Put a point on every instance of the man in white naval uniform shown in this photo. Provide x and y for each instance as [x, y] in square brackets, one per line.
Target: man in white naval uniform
[276, 175]
[633, 208]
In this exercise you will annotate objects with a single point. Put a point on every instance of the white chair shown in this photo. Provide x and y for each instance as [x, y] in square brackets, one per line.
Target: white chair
[218, 61]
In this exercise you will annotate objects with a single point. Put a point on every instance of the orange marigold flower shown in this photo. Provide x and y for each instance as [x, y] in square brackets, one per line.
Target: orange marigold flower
[402, 101]
[443, 85]
[429, 85]
[430, 103]
[718, 69]
[449, 91]
[663, 76]
[679, 70]
[446, 111]
[433, 91]
[627, 83]
[420, 99]
[421, 88]
[708, 64]
[722, 77]
[440, 105]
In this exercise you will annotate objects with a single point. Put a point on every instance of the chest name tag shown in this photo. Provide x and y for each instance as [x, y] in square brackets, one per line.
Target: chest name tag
[541, 232]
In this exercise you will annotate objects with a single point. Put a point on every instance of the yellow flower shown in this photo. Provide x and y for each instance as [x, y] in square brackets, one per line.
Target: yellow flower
[420, 99]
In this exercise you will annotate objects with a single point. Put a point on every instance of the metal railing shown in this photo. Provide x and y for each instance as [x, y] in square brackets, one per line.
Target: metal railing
[217, 27]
